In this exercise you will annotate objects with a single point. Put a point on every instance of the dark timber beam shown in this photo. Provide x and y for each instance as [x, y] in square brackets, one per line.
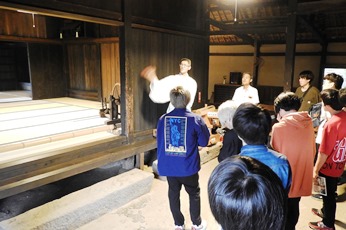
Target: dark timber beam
[97, 16]
[256, 62]
[290, 46]
[323, 6]
[217, 5]
[220, 25]
[246, 38]
[251, 29]
[313, 30]
[323, 62]
[303, 8]
[126, 78]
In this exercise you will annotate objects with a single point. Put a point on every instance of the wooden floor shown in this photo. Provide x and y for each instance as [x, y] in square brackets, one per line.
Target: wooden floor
[43, 141]
[13, 96]
[23, 123]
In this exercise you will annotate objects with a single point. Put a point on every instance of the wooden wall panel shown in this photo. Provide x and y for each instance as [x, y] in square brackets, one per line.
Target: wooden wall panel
[92, 66]
[76, 67]
[164, 51]
[84, 67]
[109, 67]
[46, 65]
[21, 24]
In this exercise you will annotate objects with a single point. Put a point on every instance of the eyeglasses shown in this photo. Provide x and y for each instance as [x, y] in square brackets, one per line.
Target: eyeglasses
[184, 65]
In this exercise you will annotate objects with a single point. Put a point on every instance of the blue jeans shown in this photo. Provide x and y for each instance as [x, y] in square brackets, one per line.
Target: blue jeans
[191, 185]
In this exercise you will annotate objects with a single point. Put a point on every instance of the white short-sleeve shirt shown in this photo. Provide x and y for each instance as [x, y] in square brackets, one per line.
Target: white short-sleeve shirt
[242, 95]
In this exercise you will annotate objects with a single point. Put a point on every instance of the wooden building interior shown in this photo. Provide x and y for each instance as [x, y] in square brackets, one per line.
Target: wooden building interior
[83, 49]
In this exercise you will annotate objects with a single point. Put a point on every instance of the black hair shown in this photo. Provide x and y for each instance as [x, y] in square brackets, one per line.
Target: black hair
[307, 74]
[342, 96]
[252, 123]
[335, 78]
[331, 97]
[243, 194]
[287, 101]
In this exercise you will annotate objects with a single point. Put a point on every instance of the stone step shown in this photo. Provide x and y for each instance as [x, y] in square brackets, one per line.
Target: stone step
[79, 208]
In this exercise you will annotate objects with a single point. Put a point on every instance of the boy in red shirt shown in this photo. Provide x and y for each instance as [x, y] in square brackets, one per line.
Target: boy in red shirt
[331, 157]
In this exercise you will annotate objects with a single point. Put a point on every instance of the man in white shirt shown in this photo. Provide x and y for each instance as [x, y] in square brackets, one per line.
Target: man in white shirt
[246, 93]
[159, 89]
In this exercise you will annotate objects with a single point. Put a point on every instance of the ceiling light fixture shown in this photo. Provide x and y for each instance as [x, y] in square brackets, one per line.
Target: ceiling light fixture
[32, 14]
[33, 20]
[235, 10]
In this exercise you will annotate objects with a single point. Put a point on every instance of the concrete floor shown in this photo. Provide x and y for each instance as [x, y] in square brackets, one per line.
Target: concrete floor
[151, 211]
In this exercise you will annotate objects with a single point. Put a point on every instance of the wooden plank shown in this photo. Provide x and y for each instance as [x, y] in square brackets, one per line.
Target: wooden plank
[84, 94]
[140, 161]
[40, 170]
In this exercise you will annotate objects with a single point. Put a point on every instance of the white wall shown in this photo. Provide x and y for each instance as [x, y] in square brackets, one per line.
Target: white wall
[271, 68]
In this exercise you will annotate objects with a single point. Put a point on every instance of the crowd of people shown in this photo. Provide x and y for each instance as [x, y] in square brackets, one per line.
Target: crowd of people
[262, 166]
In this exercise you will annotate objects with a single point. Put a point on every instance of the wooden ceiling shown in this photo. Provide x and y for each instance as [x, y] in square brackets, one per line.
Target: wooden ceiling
[234, 22]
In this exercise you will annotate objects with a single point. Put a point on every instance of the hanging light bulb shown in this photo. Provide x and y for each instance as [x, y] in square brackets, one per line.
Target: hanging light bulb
[33, 20]
[235, 10]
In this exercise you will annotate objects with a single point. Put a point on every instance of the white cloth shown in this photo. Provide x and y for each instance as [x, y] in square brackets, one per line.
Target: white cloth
[160, 89]
[242, 95]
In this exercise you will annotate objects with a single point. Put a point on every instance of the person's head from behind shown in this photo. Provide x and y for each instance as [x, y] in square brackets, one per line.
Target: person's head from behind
[246, 79]
[185, 65]
[305, 78]
[286, 102]
[245, 194]
[332, 81]
[226, 112]
[179, 97]
[252, 124]
[342, 96]
[330, 99]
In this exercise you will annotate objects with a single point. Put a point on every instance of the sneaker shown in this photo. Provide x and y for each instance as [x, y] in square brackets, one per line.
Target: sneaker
[317, 212]
[179, 227]
[202, 226]
[320, 197]
[317, 196]
[319, 226]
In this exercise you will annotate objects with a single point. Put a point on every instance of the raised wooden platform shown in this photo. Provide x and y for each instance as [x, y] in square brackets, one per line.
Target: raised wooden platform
[48, 140]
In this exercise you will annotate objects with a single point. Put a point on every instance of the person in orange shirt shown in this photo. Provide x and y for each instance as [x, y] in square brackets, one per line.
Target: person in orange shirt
[294, 137]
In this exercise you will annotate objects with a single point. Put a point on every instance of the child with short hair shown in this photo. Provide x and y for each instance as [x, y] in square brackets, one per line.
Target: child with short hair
[331, 157]
[179, 133]
[243, 193]
[253, 126]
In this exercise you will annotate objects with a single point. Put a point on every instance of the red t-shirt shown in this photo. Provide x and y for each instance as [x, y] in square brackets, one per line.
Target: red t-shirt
[334, 145]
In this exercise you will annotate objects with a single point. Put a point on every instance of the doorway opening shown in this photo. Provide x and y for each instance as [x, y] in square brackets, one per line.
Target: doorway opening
[14, 72]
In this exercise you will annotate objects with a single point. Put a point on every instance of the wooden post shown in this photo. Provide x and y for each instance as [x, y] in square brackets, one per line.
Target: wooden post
[126, 78]
[140, 161]
[256, 62]
[290, 45]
